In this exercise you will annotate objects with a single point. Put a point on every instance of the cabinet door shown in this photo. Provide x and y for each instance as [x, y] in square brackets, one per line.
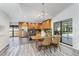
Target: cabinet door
[46, 24]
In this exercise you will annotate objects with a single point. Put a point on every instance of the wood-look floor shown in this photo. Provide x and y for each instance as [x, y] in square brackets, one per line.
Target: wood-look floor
[24, 47]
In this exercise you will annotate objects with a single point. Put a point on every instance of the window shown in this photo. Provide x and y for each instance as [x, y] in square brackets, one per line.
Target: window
[57, 27]
[65, 30]
[13, 30]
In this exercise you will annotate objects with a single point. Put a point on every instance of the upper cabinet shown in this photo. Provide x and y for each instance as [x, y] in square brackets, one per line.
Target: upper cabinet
[46, 24]
[37, 25]
[30, 25]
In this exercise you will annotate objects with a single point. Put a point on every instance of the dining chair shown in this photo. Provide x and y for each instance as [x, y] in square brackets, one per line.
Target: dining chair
[36, 38]
[56, 42]
[45, 44]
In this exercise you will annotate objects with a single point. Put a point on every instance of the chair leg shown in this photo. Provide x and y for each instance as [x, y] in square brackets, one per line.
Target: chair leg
[50, 49]
[55, 48]
[39, 48]
[60, 48]
[44, 48]
[36, 44]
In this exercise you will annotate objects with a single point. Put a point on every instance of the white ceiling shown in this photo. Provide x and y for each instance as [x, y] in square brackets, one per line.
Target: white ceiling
[28, 11]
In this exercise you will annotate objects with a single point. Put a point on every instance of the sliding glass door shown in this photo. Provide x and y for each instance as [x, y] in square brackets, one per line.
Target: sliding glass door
[65, 30]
